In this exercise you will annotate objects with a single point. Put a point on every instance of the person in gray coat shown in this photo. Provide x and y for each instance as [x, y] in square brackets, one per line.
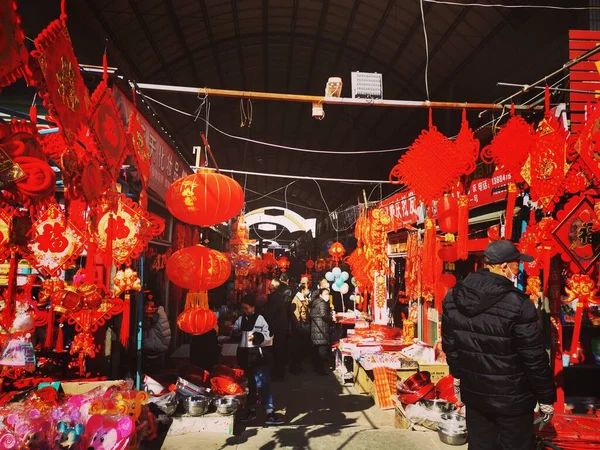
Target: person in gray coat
[157, 333]
[320, 318]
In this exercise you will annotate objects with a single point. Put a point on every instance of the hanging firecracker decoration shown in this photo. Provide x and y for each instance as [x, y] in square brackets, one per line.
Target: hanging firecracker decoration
[205, 198]
[412, 272]
[534, 288]
[462, 248]
[283, 263]
[123, 234]
[55, 242]
[510, 210]
[337, 251]
[423, 168]
[13, 53]
[511, 147]
[61, 85]
[429, 259]
[583, 289]
[577, 233]
[546, 168]
[538, 241]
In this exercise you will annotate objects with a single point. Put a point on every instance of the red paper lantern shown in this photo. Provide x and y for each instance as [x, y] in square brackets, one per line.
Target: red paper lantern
[448, 280]
[198, 268]
[448, 252]
[205, 198]
[197, 321]
[337, 251]
[310, 264]
[447, 209]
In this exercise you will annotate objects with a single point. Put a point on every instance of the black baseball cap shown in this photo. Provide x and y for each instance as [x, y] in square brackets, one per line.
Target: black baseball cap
[503, 251]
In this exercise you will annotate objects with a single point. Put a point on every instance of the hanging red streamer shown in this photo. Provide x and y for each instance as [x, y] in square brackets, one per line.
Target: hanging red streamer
[60, 346]
[462, 249]
[124, 333]
[49, 341]
[429, 258]
[510, 210]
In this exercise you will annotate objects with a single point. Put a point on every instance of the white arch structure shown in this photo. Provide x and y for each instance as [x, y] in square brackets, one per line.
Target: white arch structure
[289, 219]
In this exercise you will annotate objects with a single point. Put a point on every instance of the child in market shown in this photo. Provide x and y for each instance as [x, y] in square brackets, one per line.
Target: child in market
[254, 359]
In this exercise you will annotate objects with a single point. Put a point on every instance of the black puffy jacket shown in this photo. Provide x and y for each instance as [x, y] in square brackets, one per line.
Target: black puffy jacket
[494, 345]
[320, 318]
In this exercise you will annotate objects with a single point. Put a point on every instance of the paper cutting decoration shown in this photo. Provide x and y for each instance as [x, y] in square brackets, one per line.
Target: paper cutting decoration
[578, 234]
[61, 86]
[13, 53]
[127, 231]
[55, 242]
[108, 130]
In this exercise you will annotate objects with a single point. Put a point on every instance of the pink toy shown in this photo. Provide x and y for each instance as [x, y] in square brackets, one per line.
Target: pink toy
[105, 433]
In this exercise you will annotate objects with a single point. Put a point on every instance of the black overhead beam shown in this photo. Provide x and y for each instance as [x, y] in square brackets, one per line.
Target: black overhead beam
[181, 38]
[288, 76]
[236, 27]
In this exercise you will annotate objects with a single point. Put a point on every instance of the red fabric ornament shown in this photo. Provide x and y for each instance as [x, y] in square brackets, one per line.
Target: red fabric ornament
[423, 168]
[577, 233]
[466, 149]
[510, 210]
[205, 198]
[447, 211]
[588, 143]
[61, 86]
[197, 321]
[283, 263]
[538, 242]
[6, 218]
[577, 179]
[55, 242]
[132, 228]
[462, 250]
[198, 268]
[547, 165]
[310, 264]
[13, 53]
[108, 130]
[337, 251]
[511, 147]
[140, 152]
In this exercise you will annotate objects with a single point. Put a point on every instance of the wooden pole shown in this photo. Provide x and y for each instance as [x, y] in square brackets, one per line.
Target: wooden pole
[318, 100]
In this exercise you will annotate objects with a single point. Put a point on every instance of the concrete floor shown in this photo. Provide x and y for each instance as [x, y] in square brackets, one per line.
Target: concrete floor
[319, 414]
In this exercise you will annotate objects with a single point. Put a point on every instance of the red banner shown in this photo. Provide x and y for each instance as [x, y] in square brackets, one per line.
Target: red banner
[166, 165]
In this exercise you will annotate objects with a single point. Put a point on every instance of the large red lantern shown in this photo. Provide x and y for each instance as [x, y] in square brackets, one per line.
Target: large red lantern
[448, 252]
[198, 268]
[205, 198]
[447, 209]
[283, 263]
[197, 320]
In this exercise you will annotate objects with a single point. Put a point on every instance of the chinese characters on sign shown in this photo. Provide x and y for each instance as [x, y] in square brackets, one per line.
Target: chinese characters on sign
[166, 166]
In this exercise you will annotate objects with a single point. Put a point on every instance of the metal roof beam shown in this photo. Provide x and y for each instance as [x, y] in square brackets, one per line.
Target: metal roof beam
[288, 76]
[236, 24]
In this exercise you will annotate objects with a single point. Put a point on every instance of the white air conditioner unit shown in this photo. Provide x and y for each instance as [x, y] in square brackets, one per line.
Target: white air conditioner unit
[367, 85]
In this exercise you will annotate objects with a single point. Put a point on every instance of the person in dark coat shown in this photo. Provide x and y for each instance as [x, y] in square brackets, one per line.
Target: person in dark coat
[277, 314]
[323, 284]
[320, 318]
[496, 353]
[300, 347]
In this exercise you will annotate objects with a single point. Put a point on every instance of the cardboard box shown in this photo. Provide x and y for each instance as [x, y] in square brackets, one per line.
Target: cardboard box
[83, 387]
[437, 371]
[363, 379]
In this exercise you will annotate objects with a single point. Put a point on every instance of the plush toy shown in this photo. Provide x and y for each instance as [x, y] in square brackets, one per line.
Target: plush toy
[69, 436]
[105, 433]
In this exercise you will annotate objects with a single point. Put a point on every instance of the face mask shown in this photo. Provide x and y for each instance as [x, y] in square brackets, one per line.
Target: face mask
[327, 285]
[514, 277]
[326, 297]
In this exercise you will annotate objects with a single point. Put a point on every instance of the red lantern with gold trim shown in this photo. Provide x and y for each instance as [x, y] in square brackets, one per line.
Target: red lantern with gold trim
[197, 320]
[337, 251]
[205, 198]
[283, 263]
[198, 268]
[447, 209]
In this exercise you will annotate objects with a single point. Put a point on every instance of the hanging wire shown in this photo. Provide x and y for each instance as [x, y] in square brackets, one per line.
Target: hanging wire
[282, 201]
[501, 5]
[426, 50]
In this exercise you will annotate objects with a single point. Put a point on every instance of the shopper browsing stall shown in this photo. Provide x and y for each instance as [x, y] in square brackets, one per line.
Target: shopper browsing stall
[320, 319]
[496, 353]
[300, 328]
[254, 359]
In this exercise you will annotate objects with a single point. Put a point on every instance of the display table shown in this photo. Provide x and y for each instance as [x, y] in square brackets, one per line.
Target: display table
[209, 423]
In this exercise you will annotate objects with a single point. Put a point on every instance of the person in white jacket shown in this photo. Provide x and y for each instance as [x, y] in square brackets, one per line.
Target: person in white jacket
[157, 332]
[255, 359]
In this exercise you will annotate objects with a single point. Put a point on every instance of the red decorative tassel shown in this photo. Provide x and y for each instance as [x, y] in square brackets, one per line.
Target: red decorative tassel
[531, 217]
[63, 10]
[105, 67]
[462, 248]
[125, 319]
[429, 248]
[33, 114]
[545, 255]
[8, 312]
[48, 343]
[60, 340]
[510, 210]
[108, 257]
[90, 263]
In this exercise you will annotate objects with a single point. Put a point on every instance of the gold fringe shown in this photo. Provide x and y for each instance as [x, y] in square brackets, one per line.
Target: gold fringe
[196, 300]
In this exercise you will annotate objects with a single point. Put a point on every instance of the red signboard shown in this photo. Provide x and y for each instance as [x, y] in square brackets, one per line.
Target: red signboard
[166, 165]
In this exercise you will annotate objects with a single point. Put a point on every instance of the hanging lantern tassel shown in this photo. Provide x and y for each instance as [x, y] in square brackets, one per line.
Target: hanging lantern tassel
[60, 340]
[48, 342]
[462, 248]
[510, 210]
[90, 263]
[196, 300]
[429, 250]
[125, 319]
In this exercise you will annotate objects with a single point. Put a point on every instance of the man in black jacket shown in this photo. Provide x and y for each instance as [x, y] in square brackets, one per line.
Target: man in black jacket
[496, 353]
[277, 312]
